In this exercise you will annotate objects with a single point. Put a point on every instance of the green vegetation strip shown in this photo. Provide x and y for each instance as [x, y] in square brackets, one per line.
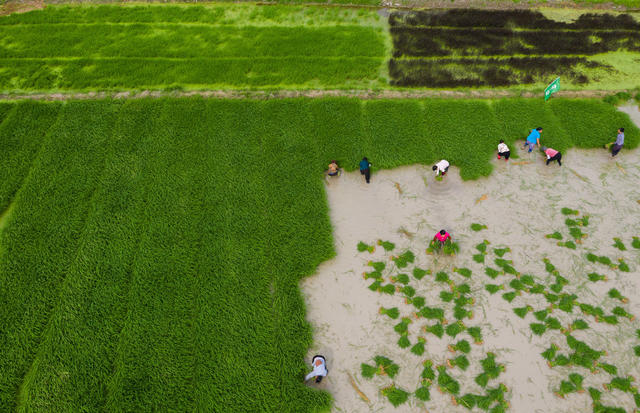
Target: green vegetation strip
[157, 47]
[150, 250]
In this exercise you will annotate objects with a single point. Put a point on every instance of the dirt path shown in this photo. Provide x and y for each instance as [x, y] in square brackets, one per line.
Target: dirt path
[287, 94]
[520, 202]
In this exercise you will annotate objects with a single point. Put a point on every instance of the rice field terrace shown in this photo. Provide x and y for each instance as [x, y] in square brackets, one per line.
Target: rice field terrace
[248, 47]
[150, 250]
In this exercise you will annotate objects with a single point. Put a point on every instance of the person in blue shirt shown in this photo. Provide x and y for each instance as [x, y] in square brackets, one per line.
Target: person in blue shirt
[364, 168]
[533, 139]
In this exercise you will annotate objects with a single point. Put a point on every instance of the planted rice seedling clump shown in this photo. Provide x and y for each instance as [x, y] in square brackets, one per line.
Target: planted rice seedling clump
[392, 313]
[378, 266]
[479, 258]
[621, 312]
[569, 211]
[577, 234]
[617, 242]
[538, 329]
[523, 311]
[436, 329]
[387, 245]
[362, 247]
[400, 278]
[446, 383]
[556, 235]
[403, 341]
[596, 277]
[404, 259]
[510, 296]
[568, 244]
[501, 251]
[395, 395]
[423, 393]
[403, 326]
[635, 243]
[418, 302]
[461, 361]
[418, 348]
[386, 366]
[419, 273]
[493, 288]
[475, 334]
[478, 227]
[454, 329]
[616, 295]
[465, 272]
[622, 265]
[491, 273]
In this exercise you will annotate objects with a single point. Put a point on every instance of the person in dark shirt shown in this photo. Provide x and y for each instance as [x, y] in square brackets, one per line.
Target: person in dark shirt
[365, 170]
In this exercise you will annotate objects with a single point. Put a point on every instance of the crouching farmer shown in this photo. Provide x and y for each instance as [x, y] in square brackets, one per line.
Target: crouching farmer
[552, 155]
[319, 365]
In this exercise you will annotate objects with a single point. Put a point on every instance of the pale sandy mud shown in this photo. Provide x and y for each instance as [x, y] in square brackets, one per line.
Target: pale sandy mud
[523, 202]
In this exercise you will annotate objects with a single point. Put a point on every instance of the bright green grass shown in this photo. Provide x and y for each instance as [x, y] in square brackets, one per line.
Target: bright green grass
[155, 47]
[150, 250]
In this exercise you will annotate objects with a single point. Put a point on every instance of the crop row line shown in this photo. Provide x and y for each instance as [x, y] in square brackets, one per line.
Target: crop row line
[178, 24]
[508, 29]
[483, 57]
[202, 59]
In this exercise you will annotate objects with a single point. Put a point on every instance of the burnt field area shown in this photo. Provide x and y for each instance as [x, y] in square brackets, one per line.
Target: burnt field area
[475, 48]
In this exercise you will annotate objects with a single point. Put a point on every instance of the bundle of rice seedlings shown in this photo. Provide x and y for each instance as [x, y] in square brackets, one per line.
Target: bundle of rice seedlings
[418, 348]
[578, 325]
[436, 329]
[465, 272]
[459, 312]
[432, 313]
[550, 353]
[541, 315]
[482, 247]
[468, 401]
[569, 211]
[595, 394]
[461, 361]
[450, 247]
[403, 341]
[479, 258]
[462, 346]
[621, 312]
[636, 242]
[606, 261]
[569, 244]
[390, 312]
[552, 298]
[617, 242]
[447, 383]
[616, 295]
[368, 371]
[478, 227]
[423, 393]
[404, 259]
[443, 277]
[387, 245]
[622, 266]
[560, 360]
[403, 326]
[567, 301]
[446, 296]
[577, 234]
[475, 334]
[400, 278]
[395, 395]
[538, 329]
[610, 319]
[454, 329]
[594, 277]
[501, 251]
[491, 273]
[592, 257]
[373, 274]
[388, 289]
[551, 269]
[386, 366]
[362, 247]
[408, 291]
[584, 221]
[375, 286]
[493, 288]
[570, 222]
[556, 235]
[377, 265]
[608, 368]
[433, 246]
[537, 289]
[522, 311]
[517, 285]
[419, 274]
[566, 387]
[509, 297]
[622, 384]
[552, 323]
[428, 374]
[418, 302]
[527, 280]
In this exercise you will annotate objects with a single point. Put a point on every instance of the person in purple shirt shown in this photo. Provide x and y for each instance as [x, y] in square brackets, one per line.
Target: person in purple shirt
[617, 145]
[533, 139]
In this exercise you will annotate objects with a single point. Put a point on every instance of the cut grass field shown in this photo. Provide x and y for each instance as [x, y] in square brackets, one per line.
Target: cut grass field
[206, 47]
[150, 250]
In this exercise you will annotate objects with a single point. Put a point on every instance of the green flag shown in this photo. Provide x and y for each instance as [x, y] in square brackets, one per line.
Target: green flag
[552, 88]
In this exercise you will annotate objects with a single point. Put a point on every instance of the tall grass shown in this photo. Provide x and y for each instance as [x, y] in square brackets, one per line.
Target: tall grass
[152, 253]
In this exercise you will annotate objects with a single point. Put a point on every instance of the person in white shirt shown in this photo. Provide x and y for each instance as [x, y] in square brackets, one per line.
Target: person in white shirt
[319, 365]
[441, 167]
[503, 150]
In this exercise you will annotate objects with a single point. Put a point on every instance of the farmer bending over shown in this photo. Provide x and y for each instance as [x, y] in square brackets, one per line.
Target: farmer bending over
[442, 237]
[503, 150]
[334, 169]
[319, 365]
[533, 139]
[552, 155]
[617, 145]
[441, 167]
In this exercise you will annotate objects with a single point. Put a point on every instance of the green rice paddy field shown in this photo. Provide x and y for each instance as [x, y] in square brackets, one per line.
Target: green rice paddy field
[150, 250]
[248, 46]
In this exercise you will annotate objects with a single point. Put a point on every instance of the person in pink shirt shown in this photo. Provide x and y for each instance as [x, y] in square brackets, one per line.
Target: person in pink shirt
[442, 236]
[552, 155]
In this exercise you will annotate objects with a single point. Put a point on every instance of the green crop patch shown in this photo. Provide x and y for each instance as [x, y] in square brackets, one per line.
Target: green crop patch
[148, 261]
[480, 48]
[76, 48]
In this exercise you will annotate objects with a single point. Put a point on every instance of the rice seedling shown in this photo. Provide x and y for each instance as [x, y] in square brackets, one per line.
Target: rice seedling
[551, 269]
[550, 353]
[463, 289]
[622, 265]
[418, 348]
[622, 384]
[566, 302]
[446, 296]
[479, 258]
[594, 277]
[376, 275]
[556, 235]
[386, 366]
[378, 266]
[617, 242]
[478, 227]
[510, 296]
[605, 261]
[501, 251]
[552, 298]
[403, 326]
[621, 312]
[392, 313]
[443, 277]
[635, 243]
[462, 346]
[450, 247]
[436, 329]
[482, 247]
[616, 295]
[460, 313]
[527, 280]
[537, 289]
[428, 374]
[368, 371]
[475, 334]
[404, 259]
[386, 245]
[493, 288]
[461, 361]
[407, 290]
[566, 387]
[362, 247]
[389, 289]
[446, 383]
[375, 286]
[608, 368]
[395, 395]
[595, 394]
[538, 329]
[583, 221]
[592, 257]
[571, 222]
[491, 273]
[423, 393]
[569, 211]
[578, 325]
[517, 285]
[577, 234]
[419, 273]
[559, 360]
[468, 401]
[568, 244]
[552, 323]
[523, 311]
[541, 315]
[465, 272]
[400, 278]
[636, 351]
[403, 341]
[418, 302]
[454, 329]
